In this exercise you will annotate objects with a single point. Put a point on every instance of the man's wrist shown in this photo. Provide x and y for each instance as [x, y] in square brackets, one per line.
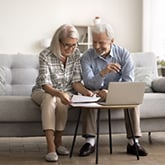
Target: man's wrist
[103, 73]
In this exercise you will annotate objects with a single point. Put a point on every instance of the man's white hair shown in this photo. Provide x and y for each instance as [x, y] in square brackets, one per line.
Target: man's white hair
[103, 28]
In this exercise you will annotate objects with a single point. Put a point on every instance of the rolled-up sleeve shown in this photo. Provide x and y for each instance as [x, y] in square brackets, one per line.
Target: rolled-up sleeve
[128, 67]
[77, 72]
[44, 74]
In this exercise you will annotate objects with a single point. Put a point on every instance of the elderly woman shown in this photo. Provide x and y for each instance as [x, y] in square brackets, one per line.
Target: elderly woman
[59, 78]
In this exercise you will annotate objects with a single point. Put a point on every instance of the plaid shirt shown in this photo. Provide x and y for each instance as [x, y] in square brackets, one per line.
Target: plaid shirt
[53, 72]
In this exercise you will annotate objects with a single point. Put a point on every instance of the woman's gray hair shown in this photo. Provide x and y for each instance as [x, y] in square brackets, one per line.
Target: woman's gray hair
[64, 31]
[103, 28]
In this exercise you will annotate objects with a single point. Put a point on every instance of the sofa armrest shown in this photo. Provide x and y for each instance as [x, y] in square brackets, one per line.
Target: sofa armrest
[158, 85]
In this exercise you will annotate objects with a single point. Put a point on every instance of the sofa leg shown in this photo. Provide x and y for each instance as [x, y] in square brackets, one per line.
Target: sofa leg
[149, 138]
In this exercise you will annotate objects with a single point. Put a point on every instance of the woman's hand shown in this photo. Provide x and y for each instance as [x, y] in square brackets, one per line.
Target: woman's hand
[80, 88]
[88, 93]
[65, 98]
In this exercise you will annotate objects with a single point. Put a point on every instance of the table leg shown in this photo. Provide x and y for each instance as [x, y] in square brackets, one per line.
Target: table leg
[133, 136]
[75, 133]
[97, 138]
[110, 131]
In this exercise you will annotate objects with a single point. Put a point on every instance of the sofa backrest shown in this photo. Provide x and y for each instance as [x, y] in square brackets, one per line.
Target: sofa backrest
[145, 68]
[19, 71]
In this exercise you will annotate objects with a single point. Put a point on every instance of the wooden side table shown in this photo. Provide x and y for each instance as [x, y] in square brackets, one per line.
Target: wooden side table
[100, 108]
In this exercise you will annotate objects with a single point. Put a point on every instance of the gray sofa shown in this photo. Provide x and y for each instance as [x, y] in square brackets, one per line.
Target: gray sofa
[20, 116]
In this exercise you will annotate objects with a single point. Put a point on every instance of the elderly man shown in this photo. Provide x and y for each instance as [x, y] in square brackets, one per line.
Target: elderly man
[107, 62]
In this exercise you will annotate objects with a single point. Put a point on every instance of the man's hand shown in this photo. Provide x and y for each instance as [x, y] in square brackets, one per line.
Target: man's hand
[112, 67]
[102, 93]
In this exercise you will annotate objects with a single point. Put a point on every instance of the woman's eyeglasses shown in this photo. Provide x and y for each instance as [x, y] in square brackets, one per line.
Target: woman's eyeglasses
[69, 46]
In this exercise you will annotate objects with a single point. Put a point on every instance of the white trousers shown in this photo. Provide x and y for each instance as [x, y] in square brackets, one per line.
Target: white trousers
[53, 112]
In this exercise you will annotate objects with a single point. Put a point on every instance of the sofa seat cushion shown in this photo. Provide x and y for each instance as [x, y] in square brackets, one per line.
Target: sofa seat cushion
[153, 105]
[19, 109]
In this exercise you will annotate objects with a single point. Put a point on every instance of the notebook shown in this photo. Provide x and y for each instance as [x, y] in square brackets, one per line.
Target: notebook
[124, 93]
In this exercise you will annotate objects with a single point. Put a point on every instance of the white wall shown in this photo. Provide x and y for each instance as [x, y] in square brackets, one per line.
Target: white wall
[24, 23]
[153, 27]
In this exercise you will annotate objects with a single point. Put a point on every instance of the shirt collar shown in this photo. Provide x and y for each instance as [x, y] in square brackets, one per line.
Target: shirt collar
[110, 54]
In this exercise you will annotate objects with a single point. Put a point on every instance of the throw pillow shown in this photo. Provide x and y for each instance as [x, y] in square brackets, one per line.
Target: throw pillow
[144, 74]
[158, 85]
[2, 81]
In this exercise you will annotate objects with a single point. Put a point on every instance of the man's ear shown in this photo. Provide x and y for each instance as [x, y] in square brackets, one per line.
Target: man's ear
[112, 40]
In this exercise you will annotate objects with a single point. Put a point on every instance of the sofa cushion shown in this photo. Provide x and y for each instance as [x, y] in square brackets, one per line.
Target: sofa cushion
[144, 74]
[21, 71]
[19, 109]
[146, 59]
[158, 85]
[2, 81]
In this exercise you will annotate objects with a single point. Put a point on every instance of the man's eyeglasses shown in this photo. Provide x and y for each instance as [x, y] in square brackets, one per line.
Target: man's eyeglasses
[69, 46]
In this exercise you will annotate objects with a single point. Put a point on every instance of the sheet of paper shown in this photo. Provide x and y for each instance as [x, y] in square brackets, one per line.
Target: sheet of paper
[84, 99]
[88, 105]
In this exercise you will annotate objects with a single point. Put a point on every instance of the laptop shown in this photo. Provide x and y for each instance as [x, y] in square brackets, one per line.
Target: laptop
[124, 93]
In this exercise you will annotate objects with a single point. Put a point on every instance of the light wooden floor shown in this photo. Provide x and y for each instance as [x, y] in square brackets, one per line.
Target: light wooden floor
[31, 151]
